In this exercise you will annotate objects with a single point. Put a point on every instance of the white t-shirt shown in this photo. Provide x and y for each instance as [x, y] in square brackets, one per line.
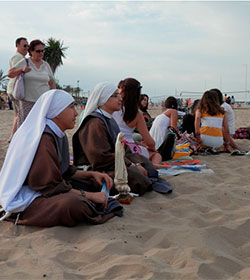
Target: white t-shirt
[36, 81]
[128, 131]
[13, 61]
[159, 129]
[230, 117]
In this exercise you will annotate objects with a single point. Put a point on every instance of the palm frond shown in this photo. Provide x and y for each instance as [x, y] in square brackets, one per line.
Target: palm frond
[54, 52]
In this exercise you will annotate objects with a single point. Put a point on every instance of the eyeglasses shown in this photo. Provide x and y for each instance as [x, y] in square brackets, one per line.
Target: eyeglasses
[116, 95]
[25, 46]
[39, 51]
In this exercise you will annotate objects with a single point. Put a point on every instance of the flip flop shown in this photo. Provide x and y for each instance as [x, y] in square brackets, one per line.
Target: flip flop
[239, 153]
[212, 151]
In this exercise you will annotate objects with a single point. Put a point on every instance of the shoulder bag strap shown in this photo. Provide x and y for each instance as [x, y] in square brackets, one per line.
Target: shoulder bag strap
[27, 62]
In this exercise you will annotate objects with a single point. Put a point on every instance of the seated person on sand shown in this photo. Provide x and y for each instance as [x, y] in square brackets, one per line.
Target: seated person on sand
[188, 119]
[130, 118]
[143, 106]
[94, 141]
[210, 123]
[230, 118]
[38, 157]
[161, 125]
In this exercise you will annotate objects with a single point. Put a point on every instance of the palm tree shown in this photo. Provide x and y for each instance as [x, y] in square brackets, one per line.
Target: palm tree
[54, 52]
[3, 79]
[68, 88]
[58, 86]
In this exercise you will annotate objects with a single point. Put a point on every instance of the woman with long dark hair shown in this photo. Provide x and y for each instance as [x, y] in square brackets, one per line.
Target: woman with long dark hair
[143, 105]
[131, 118]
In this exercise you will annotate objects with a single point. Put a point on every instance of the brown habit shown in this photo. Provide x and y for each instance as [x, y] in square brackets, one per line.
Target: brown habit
[93, 145]
[58, 205]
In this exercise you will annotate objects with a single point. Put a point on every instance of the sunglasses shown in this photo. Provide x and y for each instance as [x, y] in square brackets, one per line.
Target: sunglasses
[25, 46]
[39, 51]
[116, 95]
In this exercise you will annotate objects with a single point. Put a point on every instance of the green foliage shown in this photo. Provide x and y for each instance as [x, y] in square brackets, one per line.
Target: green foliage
[58, 86]
[3, 80]
[54, 53]
[69, 89]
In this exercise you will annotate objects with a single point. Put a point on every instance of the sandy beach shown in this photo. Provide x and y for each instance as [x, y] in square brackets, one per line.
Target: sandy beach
[200, 231]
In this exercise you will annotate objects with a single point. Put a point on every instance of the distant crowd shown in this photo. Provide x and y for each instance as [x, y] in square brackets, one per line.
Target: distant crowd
[6, 103]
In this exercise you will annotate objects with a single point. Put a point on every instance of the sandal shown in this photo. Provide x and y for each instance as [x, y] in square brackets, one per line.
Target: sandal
[239, 153]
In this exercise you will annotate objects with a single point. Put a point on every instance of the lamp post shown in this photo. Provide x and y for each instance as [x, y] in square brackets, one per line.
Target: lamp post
[245, 83]
[78, 90]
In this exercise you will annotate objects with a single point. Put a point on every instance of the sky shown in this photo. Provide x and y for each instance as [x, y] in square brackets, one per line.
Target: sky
[171, 47]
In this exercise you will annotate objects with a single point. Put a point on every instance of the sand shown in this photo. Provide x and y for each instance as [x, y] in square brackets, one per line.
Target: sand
[200, 231]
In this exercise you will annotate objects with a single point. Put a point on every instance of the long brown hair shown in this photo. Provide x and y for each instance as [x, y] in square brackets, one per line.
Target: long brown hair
[144, 109]
[219, 93]
[209, 104]
[132, 91]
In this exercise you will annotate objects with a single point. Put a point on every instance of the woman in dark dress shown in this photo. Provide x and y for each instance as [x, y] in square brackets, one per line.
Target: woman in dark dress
[143, 105]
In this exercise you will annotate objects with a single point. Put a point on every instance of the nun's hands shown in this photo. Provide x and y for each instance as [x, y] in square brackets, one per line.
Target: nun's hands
[101, 178]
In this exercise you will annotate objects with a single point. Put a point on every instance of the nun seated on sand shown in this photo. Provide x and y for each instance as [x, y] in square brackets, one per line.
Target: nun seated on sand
[94, 143]
[34, 180]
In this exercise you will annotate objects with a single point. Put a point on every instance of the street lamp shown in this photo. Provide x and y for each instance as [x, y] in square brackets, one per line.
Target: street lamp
[78, 90]
[245, 83]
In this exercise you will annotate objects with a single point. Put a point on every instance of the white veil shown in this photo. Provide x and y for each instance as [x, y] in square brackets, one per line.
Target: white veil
[14, 196]
[98, 97]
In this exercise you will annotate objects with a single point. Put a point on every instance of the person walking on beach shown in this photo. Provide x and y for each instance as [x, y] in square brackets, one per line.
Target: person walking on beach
[38, 78]
[10, 103]
[21, 51]
[42, 188]
[1, 103]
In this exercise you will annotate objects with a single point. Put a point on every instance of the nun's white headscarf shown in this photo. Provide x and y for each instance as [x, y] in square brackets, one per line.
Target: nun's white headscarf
[98, 97]
[14, 196]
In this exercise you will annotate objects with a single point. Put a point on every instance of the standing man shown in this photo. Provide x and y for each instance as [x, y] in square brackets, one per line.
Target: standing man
[21, 51]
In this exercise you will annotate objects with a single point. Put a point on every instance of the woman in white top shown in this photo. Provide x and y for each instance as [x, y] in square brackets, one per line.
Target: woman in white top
[130, 117]
[229, 115]
[38, 78]
[162, 122]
